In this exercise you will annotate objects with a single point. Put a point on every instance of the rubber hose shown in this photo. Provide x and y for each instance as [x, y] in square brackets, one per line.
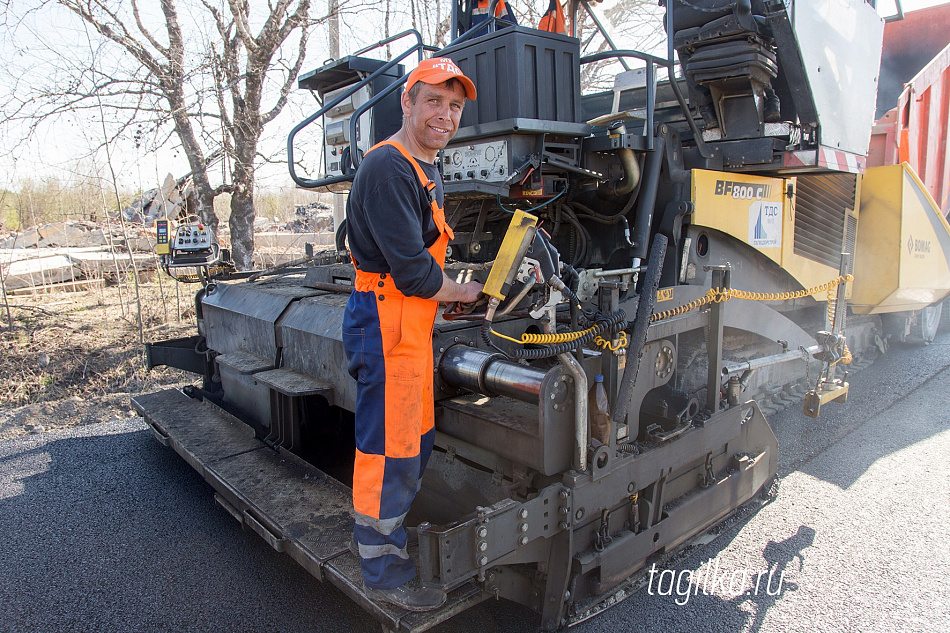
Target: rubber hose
[484, 331]
[651, 180]
[340, 237]
[641, 324]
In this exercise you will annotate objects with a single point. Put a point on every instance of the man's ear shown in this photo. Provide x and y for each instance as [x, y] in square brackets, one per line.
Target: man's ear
[406, 101]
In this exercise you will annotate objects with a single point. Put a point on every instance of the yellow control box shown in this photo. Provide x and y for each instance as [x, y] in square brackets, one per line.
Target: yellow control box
[517, 240]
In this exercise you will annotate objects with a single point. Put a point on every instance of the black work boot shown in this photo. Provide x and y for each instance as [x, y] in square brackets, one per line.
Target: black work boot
[772, 110]
[708, 112]
[411, 596]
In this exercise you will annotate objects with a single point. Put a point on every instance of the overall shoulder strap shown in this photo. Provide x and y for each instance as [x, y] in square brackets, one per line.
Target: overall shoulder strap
[427, 183]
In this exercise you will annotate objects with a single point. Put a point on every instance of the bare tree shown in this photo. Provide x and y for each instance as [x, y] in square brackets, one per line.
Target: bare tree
[212, 90]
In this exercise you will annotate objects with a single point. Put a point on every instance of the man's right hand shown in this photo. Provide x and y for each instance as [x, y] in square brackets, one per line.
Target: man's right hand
[451, 290]
[472, 291]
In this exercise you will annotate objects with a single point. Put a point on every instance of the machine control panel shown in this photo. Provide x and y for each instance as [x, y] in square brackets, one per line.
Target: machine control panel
[192, 237]
[488, 162]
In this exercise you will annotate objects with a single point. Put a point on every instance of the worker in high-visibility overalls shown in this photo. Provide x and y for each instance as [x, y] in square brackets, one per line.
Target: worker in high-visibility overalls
[398, 237]
[479, 12]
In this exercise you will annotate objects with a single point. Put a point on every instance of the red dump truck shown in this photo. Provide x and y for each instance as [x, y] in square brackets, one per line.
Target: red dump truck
[914, 100]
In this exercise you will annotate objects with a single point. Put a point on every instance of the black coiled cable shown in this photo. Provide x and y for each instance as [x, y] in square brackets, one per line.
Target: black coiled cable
[610, 324]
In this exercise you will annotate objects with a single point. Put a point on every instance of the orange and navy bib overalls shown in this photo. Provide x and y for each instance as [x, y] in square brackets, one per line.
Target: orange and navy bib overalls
[387, 337]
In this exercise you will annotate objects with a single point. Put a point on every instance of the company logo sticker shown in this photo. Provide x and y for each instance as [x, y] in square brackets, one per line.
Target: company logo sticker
[918, 248]
[765, 224]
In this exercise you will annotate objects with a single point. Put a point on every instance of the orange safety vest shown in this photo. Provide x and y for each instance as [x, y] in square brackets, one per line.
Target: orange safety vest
[553, 19]
[482, 8]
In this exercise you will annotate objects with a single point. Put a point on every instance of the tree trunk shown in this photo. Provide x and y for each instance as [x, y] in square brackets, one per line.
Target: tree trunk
[206, 210]
[242, 228]
[242, 207]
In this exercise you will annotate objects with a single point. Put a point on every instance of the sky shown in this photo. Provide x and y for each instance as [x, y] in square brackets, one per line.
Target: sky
[55, 149]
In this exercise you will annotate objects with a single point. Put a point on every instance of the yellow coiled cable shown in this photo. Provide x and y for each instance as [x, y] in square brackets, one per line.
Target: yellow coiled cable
[715, 295]
[621, 342]
[545, 339]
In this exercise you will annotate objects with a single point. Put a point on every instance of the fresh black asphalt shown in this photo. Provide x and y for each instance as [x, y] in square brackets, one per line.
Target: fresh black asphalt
[105, 530]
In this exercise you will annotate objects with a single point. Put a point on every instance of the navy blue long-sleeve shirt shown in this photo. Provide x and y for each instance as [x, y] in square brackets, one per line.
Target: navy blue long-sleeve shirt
[389, 221]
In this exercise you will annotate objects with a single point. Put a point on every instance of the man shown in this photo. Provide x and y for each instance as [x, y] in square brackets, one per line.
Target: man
[398, 238]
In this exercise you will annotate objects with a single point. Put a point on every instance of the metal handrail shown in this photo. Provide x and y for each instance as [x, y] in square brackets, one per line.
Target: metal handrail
[603, 31]
[309, 183]
[355, 117]
[354, 153]
[653, 60]
[391, 39]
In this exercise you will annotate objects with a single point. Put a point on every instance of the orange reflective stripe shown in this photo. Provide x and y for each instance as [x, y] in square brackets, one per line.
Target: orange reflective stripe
[368, 482]
[499, 8]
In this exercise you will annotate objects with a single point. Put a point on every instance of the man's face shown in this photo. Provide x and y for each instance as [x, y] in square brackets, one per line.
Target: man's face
[433, 118]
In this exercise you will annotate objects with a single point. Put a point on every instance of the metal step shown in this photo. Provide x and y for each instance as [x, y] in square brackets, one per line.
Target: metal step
[296, 508]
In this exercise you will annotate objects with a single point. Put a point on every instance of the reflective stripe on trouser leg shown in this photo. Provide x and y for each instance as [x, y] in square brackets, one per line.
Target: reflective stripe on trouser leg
[389, 351]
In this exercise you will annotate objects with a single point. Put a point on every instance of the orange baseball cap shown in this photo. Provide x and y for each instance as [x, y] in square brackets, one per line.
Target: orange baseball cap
[437, 70]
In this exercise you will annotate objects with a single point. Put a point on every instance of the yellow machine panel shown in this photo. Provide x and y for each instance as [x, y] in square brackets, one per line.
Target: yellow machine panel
[757, 211]
[513, 246]
[902, 246]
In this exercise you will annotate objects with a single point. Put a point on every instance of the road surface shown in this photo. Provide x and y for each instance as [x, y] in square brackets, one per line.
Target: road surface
[105, 530]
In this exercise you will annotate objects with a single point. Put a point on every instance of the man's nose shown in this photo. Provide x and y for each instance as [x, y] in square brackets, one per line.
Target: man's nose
[445, 111]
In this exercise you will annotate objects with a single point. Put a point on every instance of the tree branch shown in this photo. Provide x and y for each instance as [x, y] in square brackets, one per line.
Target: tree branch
[239, 12]
[291, 78]
[144, 31]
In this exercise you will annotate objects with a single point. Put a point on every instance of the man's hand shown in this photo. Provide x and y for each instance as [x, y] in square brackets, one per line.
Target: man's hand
[472, 291]
[458, 310]
[451, 290]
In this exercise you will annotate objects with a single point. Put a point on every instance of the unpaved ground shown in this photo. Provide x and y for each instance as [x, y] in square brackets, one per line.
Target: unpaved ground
[75, 358]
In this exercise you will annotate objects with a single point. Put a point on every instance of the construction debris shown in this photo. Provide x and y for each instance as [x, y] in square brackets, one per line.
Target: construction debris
[67, 252]
[312, 218]
[167, 201]
[74, 253]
